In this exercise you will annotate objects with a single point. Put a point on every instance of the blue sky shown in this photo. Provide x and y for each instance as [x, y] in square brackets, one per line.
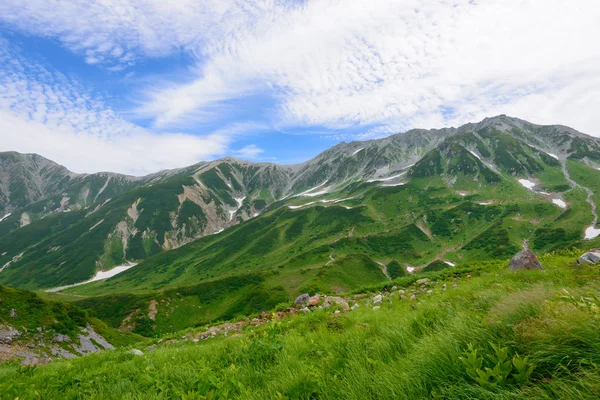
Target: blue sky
[136, 86]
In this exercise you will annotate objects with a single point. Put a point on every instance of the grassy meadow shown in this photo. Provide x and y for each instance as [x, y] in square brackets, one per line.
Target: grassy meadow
[477, 331]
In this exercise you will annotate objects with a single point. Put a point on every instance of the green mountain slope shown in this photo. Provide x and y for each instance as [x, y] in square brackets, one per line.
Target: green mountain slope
[329, 225]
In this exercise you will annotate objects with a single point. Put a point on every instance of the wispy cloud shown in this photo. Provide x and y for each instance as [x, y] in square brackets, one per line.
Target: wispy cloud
[46, 112]
[249, 152]
[383, 65]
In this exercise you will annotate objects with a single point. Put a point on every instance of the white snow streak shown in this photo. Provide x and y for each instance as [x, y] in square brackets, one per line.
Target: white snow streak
[560, 203]
[591, 233]
[528, 184]
[389, 178]
[240, 201]
[100, 275]
[309, 193]
[6, 216]
[358, 151]
[450, 263]
[479, 158]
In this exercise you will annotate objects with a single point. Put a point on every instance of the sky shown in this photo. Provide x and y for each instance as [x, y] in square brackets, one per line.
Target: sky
[137, 86]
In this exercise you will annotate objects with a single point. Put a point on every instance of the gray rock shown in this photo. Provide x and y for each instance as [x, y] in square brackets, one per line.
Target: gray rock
[8, 334]
[135, 352]
[62, 338]
[525, 259]
[354, 307]
[302, 300]
[377, 299]
[394, 288]
[413, 297]
[376, 308]
[13, 313]
[423, 281]
[592, 257]
[306, 309]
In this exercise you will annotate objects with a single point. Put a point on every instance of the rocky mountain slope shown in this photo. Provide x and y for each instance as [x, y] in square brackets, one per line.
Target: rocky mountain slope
[36, 332]
[427, 195]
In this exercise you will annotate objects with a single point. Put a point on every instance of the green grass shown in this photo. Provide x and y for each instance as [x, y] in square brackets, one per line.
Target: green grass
[400, 351]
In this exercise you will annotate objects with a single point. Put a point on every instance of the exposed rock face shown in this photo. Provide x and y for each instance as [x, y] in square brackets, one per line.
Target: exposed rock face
[592, 257]
[33, 348]
[303, 299]
[525, 259]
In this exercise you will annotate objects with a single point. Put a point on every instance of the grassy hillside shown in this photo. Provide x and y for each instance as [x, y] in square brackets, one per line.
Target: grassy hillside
[338, 244]
[542, 325]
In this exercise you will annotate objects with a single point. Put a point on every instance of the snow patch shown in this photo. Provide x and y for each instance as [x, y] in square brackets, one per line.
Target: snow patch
[309, 192]
[100, 275]
[450, 263]
[560, 203]
[394, 184]
[527, 183]
[358, 151]
[472, 152]
[410, 269]
[389, 178]
[240, 201]
[14, 259]
[591, 233]
[321, 201]
[6, 216]
[486, 203]
[553, 156]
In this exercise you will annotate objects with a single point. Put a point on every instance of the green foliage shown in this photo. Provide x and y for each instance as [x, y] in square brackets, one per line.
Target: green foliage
[497, 368]
[395, 270]
[437, 265]
[544, 347]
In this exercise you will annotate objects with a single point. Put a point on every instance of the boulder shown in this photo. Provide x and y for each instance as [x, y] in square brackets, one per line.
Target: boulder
[313, 301]
[422, 281]
[329, 300]
[135, 352]
[354, 307]
[525, 259]
[592, 257]
[302, 300]
[377, 299]
[60, 338]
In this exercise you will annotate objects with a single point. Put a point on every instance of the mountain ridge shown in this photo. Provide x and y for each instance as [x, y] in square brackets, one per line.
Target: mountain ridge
[118, 219]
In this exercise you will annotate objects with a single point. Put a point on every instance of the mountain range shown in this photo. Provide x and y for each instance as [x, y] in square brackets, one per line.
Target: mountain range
[229, 237]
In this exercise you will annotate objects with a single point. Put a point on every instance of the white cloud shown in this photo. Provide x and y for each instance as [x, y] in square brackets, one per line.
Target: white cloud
[47, 113]
[403, 64]
[392, 64]
[249, 152]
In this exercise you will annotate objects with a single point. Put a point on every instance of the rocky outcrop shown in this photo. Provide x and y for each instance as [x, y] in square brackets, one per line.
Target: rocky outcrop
[43, 346]
[525, 259]
[591, 257]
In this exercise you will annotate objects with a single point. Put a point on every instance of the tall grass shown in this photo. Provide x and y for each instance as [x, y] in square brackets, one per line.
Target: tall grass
[403, 350]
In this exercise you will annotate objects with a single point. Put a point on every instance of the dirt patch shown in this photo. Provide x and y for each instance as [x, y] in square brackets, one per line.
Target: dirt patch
[152, 310]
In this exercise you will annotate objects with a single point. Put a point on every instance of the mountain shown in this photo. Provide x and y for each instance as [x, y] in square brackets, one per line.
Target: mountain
[225, 238]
